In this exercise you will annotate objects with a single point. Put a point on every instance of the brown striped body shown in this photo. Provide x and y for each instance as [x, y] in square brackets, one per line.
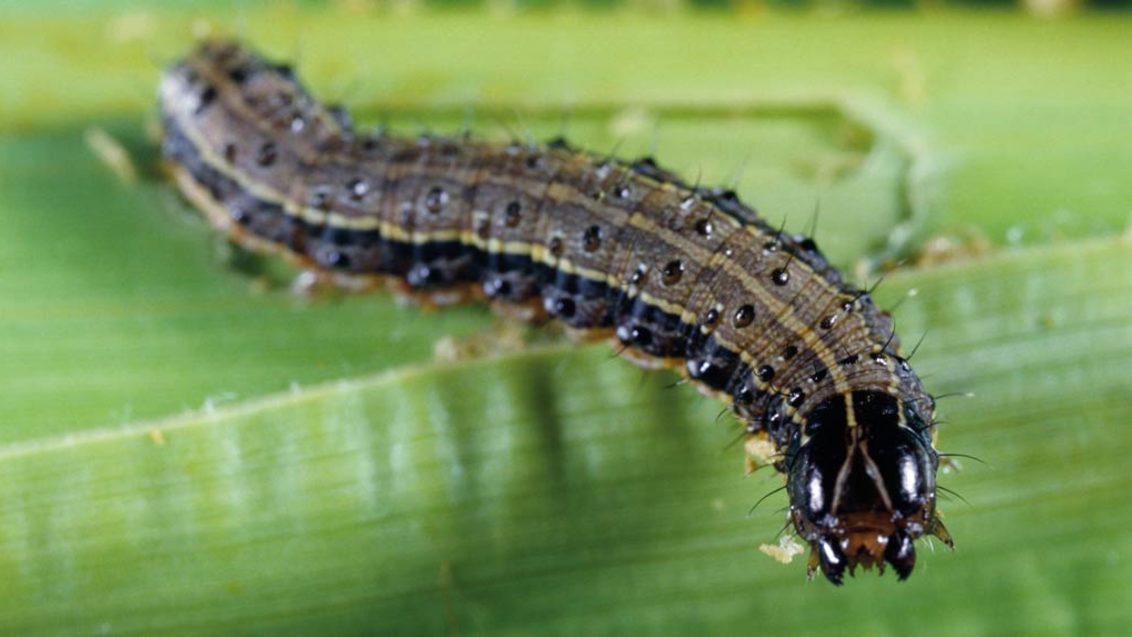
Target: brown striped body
[682, 276]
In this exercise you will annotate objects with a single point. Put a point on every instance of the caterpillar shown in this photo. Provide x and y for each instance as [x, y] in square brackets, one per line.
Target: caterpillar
[677, 275]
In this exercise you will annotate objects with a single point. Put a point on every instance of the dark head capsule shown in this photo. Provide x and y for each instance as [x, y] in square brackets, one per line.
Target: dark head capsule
[861, 480]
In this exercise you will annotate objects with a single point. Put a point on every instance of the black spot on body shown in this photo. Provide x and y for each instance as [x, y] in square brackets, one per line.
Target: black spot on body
[647, 167]
[559, 143]
[435, 200]
[711, 317]
[320, 199]
[338, 236]
[591, 238]
[423, 276]
[357, 188]
[746, 395]
[512, 215]
[267, 154]
[555, 246]
[286, 71]
[561, 307]
[704, 227]
[672, 272]
[483, 228]
[715, 371]
[238, 74]
[635, 335]
[796, 397]
[206, 98]
[744, 316]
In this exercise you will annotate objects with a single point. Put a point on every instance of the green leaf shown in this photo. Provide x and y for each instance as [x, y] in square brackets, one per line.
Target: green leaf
[190, 448]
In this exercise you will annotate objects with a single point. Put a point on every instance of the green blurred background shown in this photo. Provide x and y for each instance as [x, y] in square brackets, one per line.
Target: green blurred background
[187, 447]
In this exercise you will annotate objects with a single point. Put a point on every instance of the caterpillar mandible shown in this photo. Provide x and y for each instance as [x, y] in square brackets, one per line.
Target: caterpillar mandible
[677, 275]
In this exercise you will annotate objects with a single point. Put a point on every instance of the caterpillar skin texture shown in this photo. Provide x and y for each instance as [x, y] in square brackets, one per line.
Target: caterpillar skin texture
[679, 276]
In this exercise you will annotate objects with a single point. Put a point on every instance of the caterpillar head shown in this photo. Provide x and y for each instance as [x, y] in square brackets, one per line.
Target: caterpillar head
[861, 479]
